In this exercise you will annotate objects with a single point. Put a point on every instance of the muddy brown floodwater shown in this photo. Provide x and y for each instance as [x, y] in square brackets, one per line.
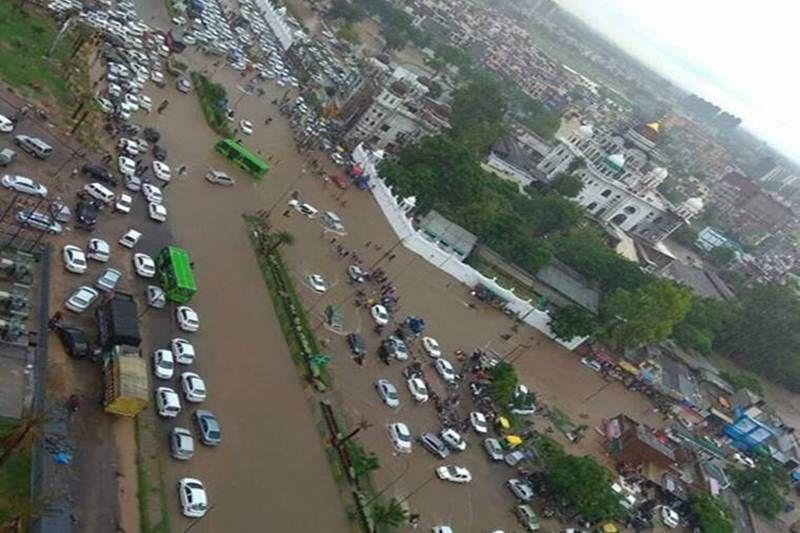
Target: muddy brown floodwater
[270, 473]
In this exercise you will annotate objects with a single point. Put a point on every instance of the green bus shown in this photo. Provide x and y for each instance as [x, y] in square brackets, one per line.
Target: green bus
[175, 273]
[242, 157]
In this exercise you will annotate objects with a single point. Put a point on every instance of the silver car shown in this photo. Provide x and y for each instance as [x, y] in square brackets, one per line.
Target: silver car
[181, 444]
[23, 185]
[208, 427]
[40, 221]
[387, 393]
[108, 279]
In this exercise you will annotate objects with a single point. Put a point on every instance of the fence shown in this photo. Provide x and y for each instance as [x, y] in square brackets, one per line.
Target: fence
[415, 241]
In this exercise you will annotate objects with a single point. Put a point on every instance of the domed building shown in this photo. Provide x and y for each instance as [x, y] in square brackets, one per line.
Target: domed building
[691, 208]
[620, 179]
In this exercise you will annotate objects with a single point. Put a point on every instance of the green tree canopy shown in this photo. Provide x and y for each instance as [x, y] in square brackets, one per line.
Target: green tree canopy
[646, 315]
[583, 485]
[709, 513]
[706, 320]
[477, 112]
[391, 515]
[765, 334]
[572, 321]
[722, 256]
[567, 185]
[504, 380]
[761, 488]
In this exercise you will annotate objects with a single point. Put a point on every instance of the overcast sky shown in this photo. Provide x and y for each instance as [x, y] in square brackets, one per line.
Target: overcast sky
[740, 55]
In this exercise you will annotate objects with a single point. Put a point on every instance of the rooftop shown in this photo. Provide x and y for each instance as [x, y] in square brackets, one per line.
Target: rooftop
[570, 284]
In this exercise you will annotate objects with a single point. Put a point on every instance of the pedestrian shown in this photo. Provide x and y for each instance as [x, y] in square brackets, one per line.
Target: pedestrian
[236, 130]
[287, 213]
[333, 240]
[392, 256]
[182, 170]
[366, 244]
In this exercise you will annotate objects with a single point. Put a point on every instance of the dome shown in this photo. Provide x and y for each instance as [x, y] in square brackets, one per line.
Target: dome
[617, 161]
[586, 131]
[695, 204]
[659, 173]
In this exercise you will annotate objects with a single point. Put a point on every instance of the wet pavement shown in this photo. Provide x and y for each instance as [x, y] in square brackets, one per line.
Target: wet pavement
[270, 471]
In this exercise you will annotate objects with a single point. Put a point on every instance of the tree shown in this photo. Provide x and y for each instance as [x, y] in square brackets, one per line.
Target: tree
[567, 185]
[504, 380]
[554, 213]
[477, 112]
[764, 335]
[761, 488]
[347, 11]
[704, 322]
[279, 239]
[572, 321]
[646, 315]
[709, 513]
[392, 514]
[722, 256]
[743, 380]
[362, 461]
[583, 485]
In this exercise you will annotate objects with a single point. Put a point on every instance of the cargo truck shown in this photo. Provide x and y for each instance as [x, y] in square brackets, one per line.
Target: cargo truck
[125, 378]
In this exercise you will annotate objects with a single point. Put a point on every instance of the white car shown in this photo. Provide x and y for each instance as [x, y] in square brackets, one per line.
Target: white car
[220, 178]
[131, 100]
[453, 439]
[126, 165]
[152, 193]
[128, 146]
[144, 265]
[99, 250]
[182, 350]
[453, 473]
[431, 346]
[246, 126]
[194, 388]
[6, 125]
[187, 319]
[157, 212]
[145, 102]
[744, 460]
[133, 183]
[161, 171]
[379, 314]
[123, 203]
[400, 436]
[74, 259]
[168, 403]
[23, 185]
[478, 421]
[306, 209]
[445, 370]
[163, 364]
[156, 297]
[418, 390]
[81, 299]
[108, 279]
[317, 283]
[520, 489]
[105, 104]
[194, 501]
[130, 238]
[591, 364]
[670, 518]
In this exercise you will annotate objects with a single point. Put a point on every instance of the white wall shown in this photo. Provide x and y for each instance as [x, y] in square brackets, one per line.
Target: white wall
[449, 263]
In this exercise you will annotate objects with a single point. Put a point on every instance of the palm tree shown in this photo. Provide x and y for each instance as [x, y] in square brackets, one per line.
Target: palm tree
[362, 461]
[278, 239]
[391, 515]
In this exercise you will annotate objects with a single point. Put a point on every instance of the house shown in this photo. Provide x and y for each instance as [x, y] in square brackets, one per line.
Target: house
[446, 234]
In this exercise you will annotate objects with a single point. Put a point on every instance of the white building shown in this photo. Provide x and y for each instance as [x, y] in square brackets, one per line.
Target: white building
[400, 113]
[619, 181]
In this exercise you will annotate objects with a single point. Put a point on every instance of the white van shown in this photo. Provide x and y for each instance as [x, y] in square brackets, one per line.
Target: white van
[34, 146]
[99, 192]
